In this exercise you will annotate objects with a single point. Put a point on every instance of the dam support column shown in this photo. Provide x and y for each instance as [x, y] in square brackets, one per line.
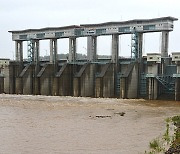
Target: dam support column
[51, 79]
[18, 67]
[92, 48]
[115, 49]
[140, 46]
[129, 81]
[84, 80]
[8, 80]
[153, 61]
[104, 86]
[177, 83]
[114, 60]
[152, 87]
[140, 65]
[123, 88]
[48, 72]
[30, 71]
[63, 81]
[36, 69]
[164, 49]
[36, 51]
[19, 51]
[164, 43]
[176, 58]
[53, 51]
[27, 77]
[72, 50]
[88, 80]
[177, 88]
[1, 84]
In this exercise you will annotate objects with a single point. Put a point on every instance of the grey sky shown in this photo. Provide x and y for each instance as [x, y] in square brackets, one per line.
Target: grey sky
[23, 14]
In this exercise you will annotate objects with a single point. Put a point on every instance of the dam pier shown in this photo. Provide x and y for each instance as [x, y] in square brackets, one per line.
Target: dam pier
[140, 76]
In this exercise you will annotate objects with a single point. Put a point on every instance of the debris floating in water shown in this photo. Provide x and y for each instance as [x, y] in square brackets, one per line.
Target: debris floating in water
[120, 113]
[103, 116]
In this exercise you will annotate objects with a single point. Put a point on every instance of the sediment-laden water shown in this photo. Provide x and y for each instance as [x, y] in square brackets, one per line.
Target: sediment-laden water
[65, 125]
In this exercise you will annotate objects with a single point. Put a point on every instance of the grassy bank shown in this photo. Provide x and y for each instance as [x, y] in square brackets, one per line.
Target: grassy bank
[169, 143]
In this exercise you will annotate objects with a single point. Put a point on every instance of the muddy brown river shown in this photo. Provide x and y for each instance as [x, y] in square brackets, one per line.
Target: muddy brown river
[71, 125]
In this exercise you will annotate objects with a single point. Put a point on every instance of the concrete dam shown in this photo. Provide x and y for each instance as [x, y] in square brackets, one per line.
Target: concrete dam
[140, 76]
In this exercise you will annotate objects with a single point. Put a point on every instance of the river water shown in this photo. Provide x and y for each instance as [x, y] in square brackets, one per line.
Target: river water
[70, 125]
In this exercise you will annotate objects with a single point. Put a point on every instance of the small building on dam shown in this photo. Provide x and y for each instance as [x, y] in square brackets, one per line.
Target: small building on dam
[150, 77]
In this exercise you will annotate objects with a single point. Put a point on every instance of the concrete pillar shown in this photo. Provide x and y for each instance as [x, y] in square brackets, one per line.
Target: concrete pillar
[140, 45]
[76, 87]
[88, 81]
[19, 85]
[7, 75]
[53, 51]
[104, 82]
[153, 66]
[64, 85]
[115, 48]
[177, 83]
[129, 82]
[72, 49]
[92, 48]
[50, 79]
[19, 50]
[12, 78]
[123, 91]
[152, 81]
[114, 58]
[132, 89]
[36, 51]
[152, 88]
[46, 78]
[177, 89]
[19, 67]
[109, 85]
[34, 70]
[99, 87]
[27, 81]
[36, 86]
[164, 49]
[164, 43]
[1, 84]
[176, 59]
[140, 66]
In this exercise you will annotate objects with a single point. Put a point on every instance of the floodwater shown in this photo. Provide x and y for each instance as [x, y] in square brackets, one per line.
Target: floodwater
[70, 125]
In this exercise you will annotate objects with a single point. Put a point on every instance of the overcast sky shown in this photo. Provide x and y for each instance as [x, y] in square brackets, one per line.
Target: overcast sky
[26, 14]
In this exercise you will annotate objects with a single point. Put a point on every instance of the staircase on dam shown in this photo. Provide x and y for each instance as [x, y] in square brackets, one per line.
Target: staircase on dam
[167, 82]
